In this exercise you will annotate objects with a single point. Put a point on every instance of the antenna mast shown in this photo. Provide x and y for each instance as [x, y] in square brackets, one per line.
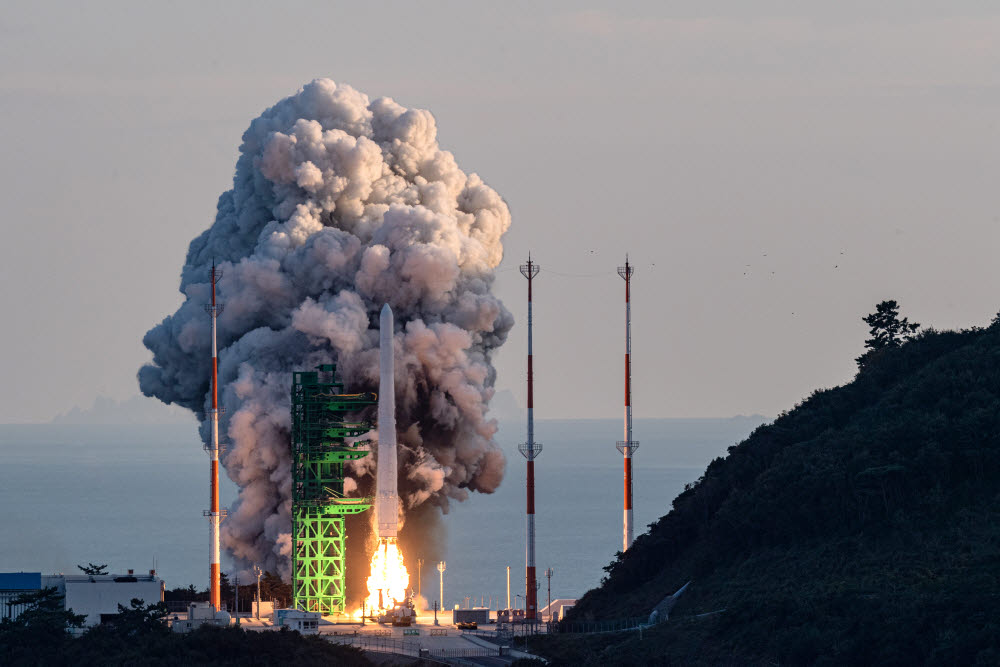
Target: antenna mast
[213, 513]
[530, 450]
[628, 445]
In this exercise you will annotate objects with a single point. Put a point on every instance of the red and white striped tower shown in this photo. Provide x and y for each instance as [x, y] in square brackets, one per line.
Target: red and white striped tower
[530, 450]
[628, 445]
[213, 514]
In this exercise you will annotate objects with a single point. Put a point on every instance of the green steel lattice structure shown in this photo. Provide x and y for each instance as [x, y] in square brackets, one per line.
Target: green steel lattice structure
[320, 448]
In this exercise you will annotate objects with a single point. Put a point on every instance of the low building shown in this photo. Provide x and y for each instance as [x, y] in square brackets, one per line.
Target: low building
[199, 614]
[306, 622]
[558, 609]
[96, 596]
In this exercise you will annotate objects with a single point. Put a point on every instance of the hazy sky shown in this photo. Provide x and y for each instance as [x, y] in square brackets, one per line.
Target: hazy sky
[773, 171]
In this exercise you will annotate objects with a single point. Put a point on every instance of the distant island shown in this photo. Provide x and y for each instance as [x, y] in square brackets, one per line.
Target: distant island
[861, 527]
[135, 410]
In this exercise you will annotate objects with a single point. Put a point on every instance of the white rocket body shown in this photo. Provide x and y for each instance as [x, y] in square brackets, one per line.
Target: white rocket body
[387, 498]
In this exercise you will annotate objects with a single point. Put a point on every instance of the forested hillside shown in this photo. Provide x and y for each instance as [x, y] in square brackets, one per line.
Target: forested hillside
[861, 527]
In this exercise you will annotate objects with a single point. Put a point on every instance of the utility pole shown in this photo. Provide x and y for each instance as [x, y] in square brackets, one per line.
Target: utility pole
[258, 572]
[548, 574]
[236, 603]
[420, 567]
[534, 626]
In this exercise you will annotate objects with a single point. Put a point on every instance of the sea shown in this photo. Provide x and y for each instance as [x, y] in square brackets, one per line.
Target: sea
[132, 496]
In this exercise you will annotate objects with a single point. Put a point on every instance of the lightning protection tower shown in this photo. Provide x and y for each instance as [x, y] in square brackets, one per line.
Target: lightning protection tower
[321, 444]
[628, 445]
[213, 513]
[530, 450]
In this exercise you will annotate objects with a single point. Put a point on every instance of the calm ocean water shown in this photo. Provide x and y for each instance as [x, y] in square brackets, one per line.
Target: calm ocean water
[126, 495]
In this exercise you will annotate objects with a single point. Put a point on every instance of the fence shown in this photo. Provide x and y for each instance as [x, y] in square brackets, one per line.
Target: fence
[378, 644]
[496, 636]
[7, 607]
[465, 652]
[617, 625]
[414, 649]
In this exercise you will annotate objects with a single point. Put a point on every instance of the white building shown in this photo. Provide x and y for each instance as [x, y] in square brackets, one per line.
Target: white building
[199, 614]
[306, 622]
[95, 596]
[557, 609]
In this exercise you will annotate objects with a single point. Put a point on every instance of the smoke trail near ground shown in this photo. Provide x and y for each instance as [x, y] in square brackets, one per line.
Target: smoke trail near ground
[340, 204]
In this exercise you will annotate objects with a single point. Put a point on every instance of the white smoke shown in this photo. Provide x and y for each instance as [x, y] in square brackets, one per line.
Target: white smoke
[340, 204]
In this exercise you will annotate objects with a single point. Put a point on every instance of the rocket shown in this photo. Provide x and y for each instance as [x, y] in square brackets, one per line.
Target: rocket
[387, 498]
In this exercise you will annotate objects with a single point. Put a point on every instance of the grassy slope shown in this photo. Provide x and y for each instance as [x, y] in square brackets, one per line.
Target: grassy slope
[860, 527]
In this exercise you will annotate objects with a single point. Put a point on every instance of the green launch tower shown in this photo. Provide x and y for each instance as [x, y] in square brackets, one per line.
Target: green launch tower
[319, 450]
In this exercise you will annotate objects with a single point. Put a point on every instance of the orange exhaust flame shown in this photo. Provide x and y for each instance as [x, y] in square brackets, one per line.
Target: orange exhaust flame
[389, 579]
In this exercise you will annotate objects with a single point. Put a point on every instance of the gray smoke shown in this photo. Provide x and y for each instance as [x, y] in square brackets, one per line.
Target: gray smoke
[340, 204]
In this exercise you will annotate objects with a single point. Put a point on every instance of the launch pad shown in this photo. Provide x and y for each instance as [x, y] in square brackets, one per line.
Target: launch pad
[322, 442]
[320, 448]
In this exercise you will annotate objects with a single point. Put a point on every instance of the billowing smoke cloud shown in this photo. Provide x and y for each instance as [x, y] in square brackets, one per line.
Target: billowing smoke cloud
[340, 204]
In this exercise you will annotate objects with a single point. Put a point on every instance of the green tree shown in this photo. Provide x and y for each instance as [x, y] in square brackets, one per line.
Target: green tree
[141, 619]
[189, 594]
[273, 588]
[41, 629]
[887, 330]
[45, 610]
[92, 569]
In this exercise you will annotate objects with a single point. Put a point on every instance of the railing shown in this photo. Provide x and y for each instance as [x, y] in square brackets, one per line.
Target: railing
[616, 625]
[340, 503]
[412, 648]
[480, 652]
[495, 636]
[378, 644]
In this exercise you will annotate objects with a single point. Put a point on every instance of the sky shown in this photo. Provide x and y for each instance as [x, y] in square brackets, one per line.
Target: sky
[773, 170]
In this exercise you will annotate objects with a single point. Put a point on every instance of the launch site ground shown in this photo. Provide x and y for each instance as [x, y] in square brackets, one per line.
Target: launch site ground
[386, 644]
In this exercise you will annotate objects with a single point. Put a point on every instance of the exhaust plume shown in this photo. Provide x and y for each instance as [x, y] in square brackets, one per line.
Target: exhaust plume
[341, 204]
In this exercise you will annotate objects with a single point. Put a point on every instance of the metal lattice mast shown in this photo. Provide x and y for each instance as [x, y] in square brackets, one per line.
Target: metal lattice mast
[628, 445]
[530, 450]
[214, 514]
[320, 447]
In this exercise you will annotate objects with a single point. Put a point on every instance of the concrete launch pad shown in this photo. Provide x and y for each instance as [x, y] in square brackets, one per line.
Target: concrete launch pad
[444, 642]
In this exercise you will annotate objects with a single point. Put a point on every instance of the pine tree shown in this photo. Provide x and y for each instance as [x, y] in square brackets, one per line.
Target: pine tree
[887, 330]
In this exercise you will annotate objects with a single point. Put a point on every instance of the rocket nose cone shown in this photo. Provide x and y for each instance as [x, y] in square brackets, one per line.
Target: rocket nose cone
[385, 323]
